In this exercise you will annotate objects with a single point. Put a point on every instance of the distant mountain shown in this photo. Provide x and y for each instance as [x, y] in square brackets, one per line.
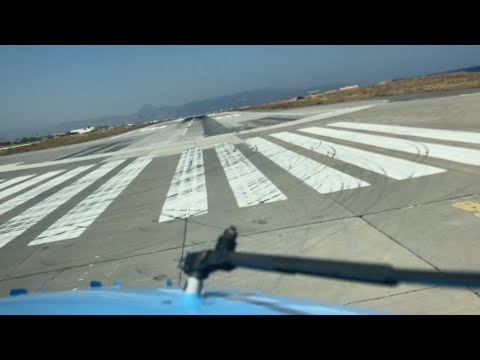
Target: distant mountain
[152, 112]
[468, 69]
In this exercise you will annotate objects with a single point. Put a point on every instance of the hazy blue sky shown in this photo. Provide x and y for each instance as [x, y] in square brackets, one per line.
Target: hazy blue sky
[41, 85]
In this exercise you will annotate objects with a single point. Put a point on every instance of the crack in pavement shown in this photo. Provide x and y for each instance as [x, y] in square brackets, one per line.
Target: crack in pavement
[424, 203]
[184, 246]
[402, 245]
[183, 249]
[86, 264]
[412, 252]
[390, 295]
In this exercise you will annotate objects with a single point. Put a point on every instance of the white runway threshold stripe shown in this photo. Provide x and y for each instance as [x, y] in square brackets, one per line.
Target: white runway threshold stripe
[21, 223]
[14, 181]
[316, 175]
[26, 196]
[248, 184]
[19, 187]
[336, 112]
[450, 153]
[389, 166]
[187, 195]
[77, 220]
[439, 134]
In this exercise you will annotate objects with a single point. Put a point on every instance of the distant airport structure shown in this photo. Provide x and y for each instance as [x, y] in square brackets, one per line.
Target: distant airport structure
[82, 131]
[351, 87]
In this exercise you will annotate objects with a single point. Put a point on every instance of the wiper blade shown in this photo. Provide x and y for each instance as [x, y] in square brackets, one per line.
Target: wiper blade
[200, 264]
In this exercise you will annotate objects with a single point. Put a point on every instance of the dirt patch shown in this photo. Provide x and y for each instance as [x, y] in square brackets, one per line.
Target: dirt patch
[70, 139]
[442, 82]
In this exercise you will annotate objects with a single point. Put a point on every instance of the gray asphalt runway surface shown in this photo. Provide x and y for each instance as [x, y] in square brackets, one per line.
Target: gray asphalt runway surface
[323, 181]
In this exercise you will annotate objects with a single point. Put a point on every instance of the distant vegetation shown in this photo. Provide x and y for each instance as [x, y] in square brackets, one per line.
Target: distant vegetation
[440, 82]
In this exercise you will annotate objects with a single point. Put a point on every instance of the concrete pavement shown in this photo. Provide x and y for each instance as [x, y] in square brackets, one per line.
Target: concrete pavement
[408, 223]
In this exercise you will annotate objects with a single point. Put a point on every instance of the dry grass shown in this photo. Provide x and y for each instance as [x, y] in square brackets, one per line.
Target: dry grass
[442, 82]
[71, 139]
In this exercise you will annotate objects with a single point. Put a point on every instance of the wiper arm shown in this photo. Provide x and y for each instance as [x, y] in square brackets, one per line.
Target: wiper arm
[199, 265]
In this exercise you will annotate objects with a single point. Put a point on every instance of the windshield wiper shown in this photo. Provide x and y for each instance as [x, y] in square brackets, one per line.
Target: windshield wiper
[199, 265]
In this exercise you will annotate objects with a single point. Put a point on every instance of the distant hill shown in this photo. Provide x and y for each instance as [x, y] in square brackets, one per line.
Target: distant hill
[468, 69]
[462, 80]
[151, 112]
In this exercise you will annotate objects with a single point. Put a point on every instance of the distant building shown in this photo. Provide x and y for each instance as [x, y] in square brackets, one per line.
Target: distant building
[82, 131]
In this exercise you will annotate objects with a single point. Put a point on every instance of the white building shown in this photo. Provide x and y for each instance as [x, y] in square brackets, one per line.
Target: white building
[351, 87]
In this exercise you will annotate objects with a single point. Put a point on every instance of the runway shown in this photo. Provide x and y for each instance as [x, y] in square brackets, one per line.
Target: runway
[391, 182]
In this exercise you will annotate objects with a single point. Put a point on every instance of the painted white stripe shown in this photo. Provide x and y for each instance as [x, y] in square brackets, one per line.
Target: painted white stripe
[318, 176]
[451, 153]
[18, 166]
[16, 146]
[450, 135]
[14, 181]
[323, 115]
[394, 168]
[26, 184]
[187, 195]
[186, 129]
[26, 196]
[78, 219]
[248, 184]
[153, 128]
[469, 94]
[336, 112]
[127, 133]
[21, 223]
